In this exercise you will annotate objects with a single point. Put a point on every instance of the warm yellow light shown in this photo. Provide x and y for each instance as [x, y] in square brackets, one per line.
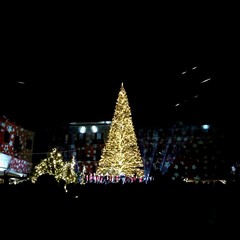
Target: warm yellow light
[121, 154]
[54, 165]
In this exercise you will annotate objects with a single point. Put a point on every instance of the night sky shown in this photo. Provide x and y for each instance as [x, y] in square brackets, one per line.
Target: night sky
[55, 73]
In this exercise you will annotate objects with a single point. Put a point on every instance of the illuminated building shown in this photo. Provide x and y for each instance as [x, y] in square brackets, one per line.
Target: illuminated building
[16, 146]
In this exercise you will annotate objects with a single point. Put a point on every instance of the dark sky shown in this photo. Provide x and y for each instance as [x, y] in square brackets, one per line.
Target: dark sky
[73, 72]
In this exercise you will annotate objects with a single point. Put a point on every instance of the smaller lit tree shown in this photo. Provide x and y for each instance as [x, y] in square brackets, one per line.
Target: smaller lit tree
[54, 165]
[68, 173]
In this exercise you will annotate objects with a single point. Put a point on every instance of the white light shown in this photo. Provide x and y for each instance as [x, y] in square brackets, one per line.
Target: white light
[205, 126]
[176, 105]
[223, 181]
[184, 72]
[206, 80]
[4, 160]
[82, 129]
[94, 129]
[194, 68]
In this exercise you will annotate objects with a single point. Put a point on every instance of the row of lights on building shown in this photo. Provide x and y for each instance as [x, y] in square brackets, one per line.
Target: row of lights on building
[83, 129]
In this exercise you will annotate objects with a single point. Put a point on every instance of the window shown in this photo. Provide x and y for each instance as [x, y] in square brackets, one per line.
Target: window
[17, 145]
[98, 138]
[98, 154]
[1, 134]
[6, 137]
[82, 138]
[29, 144]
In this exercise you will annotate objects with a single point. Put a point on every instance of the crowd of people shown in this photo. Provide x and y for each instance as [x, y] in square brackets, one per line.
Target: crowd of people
[162, 200]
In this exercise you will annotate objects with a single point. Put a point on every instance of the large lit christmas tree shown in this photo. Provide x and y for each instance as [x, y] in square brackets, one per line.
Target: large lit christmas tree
[121, 154]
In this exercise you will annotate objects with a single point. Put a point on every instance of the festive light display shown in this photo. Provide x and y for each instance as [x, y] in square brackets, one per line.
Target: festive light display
[54, 165]
[121, 154]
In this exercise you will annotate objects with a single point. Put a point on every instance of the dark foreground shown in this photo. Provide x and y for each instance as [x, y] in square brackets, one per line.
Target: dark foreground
[142, 207]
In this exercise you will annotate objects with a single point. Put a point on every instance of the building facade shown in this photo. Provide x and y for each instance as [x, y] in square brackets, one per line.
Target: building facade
[16, 147]
[184, 152]
[181, 151]
[83, 140]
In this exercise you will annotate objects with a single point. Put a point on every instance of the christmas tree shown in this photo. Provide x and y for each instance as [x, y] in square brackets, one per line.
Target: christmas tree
[121, 154]
[54, 165]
